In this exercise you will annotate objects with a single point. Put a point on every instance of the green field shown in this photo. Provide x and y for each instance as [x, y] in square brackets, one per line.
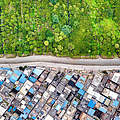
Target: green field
[60, 27]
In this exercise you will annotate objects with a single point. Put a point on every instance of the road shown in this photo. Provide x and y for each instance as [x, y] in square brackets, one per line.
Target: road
[62, 62]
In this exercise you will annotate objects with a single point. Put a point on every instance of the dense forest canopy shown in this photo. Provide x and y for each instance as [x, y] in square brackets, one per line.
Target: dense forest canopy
[60, 27]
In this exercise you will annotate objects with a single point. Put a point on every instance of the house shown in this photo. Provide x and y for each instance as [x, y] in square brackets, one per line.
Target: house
[68, 77]
[48, 117]
[2, 110]
[22, 79]
[79, 85]
[116, 77]
[109, 93]
[26, 87]
[50, 77]
[91, 103]
[84, 116]
[32, 79]
[67, 117]
[91, 112]
[90, 90]
[51, 88]
[37, 71]
[71, 111]
[97, 79]
[2, 118]
[46, 95]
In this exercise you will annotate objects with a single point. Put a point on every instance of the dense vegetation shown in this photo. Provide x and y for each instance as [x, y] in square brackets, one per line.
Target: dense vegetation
[60, 27]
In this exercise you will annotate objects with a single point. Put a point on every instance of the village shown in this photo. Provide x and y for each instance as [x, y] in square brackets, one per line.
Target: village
[49, 93]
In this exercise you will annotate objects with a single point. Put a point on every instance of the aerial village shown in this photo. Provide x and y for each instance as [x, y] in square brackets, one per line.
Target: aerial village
[47, 93]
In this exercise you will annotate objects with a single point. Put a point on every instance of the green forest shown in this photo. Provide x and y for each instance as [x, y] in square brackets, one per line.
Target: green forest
[71, 28]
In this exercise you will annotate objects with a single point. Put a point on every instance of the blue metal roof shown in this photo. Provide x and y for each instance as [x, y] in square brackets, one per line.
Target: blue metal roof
[5, 68]
[32, 79]
[14, 109]
[91, 103]
[17, 72]
[1, 82]
[22, 79]
[10, 108]
[81, 92]
[115, 103]
[68, 77]
[13, 79]
[58, 107]
[30, 103]
[19, 118]
[117, 118]
[13, 117]
[37, 71]
[33, 117]
[53, 101]
[26, 110]
[91, 112]
[75, 103]
[79, 85]
[17, 88]
[25, 113]
[31, 90]
[9, 72]
[82, 78]
[1, 99]
[64, 104]
[102, 109]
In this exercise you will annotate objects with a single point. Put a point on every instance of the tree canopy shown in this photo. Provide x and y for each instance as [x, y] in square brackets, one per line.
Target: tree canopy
[59, 27]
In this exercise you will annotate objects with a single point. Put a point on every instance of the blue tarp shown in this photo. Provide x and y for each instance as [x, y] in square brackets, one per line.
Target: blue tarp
[37, 71]
[68, 77]
[79, 85]
[91, 103]
[32, 79]
[81, 92]
[91, 112]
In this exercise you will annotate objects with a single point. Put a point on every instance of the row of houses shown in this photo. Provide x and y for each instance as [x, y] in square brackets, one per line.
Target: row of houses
[42, 93]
